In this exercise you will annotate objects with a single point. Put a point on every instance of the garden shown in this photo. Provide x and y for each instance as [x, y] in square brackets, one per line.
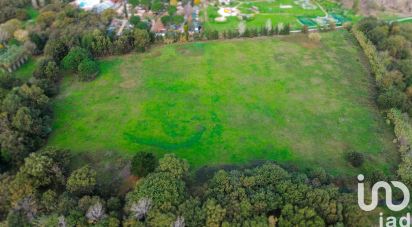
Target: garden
[257, 13]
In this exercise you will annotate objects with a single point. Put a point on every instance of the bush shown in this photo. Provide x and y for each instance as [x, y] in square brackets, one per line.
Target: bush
[356, 159]
[392, 98]
[88, 70]
[75, 56]
[46, 69]
[314, 36]
[143, 163]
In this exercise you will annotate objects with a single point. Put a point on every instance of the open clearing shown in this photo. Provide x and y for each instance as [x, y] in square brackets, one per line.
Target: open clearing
[230, 102]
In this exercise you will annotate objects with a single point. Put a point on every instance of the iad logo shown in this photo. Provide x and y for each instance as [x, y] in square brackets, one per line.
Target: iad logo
[388, 195]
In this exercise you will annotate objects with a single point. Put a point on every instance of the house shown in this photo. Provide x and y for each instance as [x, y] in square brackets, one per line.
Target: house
[158, 27]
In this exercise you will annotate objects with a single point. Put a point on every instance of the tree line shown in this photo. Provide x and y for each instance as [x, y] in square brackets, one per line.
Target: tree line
[45, 192]
[388, 48]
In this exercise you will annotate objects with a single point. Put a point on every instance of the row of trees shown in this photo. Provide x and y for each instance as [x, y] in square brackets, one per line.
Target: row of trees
[391, 61]
[388, 49]
[263, 196]
[403, 132]
[45, 192]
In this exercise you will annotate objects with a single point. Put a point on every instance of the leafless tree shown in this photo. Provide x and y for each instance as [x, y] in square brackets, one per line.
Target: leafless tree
[29, 207]
[269, 25]
[242, 28]
[180, 222]
[95, 213]
[62, 222]
[141, 208]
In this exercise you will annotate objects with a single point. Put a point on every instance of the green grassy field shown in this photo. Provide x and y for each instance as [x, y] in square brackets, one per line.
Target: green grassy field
[230, 102]
[269, 10]
[26, 71]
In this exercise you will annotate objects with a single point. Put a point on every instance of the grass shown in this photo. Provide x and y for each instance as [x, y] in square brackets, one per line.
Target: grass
[407, 21]
[26, 71]
[269, 10]
[32, 13]
[231, 102]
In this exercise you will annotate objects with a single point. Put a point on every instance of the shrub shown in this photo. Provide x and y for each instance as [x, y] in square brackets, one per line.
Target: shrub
[314, 36]
[88, 70]
[356, 159]
[143, 163]
[370, 51]
[75, 56]
[392, 98]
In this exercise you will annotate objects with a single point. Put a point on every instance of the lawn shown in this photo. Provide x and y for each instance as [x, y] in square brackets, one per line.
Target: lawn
[230, 102]
[268, 10]
[26, 71]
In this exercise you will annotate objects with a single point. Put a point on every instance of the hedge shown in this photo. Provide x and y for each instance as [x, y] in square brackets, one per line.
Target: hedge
[371, 53]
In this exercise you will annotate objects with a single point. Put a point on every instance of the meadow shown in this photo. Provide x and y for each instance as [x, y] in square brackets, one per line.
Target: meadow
[286, 99]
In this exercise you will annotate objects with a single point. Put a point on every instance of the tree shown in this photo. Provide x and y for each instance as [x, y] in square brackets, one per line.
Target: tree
[82, 181]
[95, 213]
[88, 70]
[46, 19]
[215, 214]
[49, 200]
[143, 163]
[38, 169]
[140, 209]
[165, 191]
[332, 25]
[5, 205]
[11, 26]
[141, 39]
[392, 98]
[75, 56]
[356, 159]
[178, 168]
[305, 29]
[172, 10]
[293, 216]
[124, 43]
[157, 6]
[355, 6]
[378, 35]
[180, 222]
[192, 210]
[241, 28]
[51, 71]
[396, 45]
[55, 49]
[134, 20]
